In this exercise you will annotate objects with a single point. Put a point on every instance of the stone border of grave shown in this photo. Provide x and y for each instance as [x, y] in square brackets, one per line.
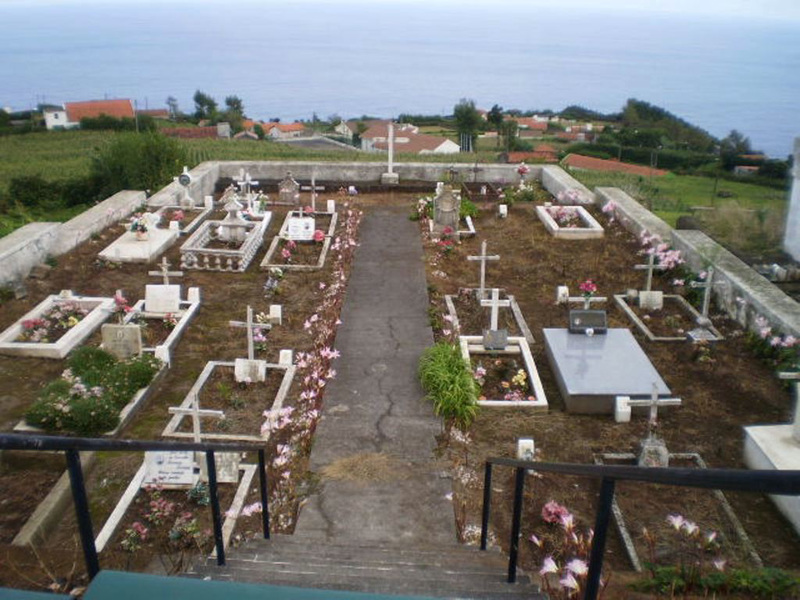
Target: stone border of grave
[592, 229]
[203, 212]
[518, 318]
[134, 487]
[195, 256]
[622, 302]
[473, 344]
[100, 311]
[171, 430]
[622, 527]
[125, 415]
[468, 232]
[146, 250]
[267, 263]
[189, 308]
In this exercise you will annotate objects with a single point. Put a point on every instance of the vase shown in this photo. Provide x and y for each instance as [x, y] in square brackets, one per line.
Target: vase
[142, 236]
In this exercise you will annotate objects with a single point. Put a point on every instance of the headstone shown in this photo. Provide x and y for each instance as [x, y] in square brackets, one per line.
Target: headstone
[162, 299]
[300, 229]
[794, 376]
[289, 190]
[233, 228]
[164, 271]
[446, 209]
[653, 453]
[208, 202]
[623, 406]
[651, 300]
[502, 210]
[250, 325]
[650, 267]
[526, 449]
[495, 339]
[588, 322]
[170, 469]
[249, 371]
[123, 341]
[331, 206]
[285, 358]
[227, 464]
[276, 314]
[563, 297]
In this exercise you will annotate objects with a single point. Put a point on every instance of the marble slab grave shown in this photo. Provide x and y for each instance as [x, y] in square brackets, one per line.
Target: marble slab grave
[592, 371]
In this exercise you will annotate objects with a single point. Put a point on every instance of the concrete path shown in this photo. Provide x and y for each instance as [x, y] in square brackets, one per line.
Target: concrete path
[376, 405]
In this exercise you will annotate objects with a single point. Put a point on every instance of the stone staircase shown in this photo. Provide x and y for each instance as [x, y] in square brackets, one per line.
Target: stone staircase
[446, 571]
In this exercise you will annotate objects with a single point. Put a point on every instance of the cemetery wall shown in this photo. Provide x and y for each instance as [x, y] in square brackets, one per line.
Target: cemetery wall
[24, 248]
[30, 245]
[743, 295]
[204, 179]
[556, 180]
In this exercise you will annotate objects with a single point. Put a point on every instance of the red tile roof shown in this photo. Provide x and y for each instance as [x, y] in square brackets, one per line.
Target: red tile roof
[578, 161]
[546, 148]
[94, 108]
[287, 127]
[157, 113]
[380, 129]
[531, 123]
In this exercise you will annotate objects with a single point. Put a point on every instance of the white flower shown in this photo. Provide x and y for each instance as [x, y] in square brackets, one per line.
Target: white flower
[548, 566]
[578, 567]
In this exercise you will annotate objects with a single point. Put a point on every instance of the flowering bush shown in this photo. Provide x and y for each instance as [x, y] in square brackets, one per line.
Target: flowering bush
[523, 170]
[565, 216]
[781, 351]
[288, 246]
[177, 215]
[53, 323]
[170, 321]
[572, 196]
[665, 256]
[609, 210]
[121, 306]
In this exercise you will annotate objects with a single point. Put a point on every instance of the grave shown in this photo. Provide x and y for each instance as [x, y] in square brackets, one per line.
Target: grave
[569, 222]
[289, 191]
[285, 365]
[133, 247]
[227, 245]
[705, 331]
[99, 310]
[447, 213]
[777, 448]
[483, 258]
[519, 319]
[496, 342]
[193, 216]
[591, 371]
[250, 370]
[299, 228]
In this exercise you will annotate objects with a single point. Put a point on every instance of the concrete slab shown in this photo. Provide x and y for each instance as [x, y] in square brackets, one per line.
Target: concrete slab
[376, 405]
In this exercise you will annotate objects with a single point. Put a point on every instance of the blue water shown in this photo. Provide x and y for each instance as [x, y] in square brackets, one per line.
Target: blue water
[290, 60]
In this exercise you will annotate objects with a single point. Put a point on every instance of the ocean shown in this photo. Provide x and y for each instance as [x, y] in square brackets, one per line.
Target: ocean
[292, 59]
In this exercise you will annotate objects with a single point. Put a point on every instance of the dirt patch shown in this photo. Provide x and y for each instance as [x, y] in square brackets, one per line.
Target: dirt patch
[365, 468]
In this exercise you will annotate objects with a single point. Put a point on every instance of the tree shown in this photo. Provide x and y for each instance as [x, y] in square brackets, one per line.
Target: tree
[205, 106]
[172, 105]
[495, 117]
[234, 104]
[508, 130]
[259, 131]
[234, 113]
[468, 121]
[145, 161]
[732, 146]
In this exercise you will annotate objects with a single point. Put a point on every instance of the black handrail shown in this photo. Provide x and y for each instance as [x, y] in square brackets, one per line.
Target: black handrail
[781, 483]
[73, 446]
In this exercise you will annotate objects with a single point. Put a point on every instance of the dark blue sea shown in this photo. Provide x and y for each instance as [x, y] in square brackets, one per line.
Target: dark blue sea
[293, 59]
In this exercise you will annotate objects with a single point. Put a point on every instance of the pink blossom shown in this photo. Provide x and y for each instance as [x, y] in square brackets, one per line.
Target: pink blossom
[548, 566]
[676, 521]
[569, 582]
[719, 564]
[577, 566]
[536, 541]
[678, 282]
[553, 512]
[775, 341]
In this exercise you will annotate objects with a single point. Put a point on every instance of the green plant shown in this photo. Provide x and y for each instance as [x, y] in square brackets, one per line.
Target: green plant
[468, 209]
[51, 261]
[199, 494]
[225, 391]
[448, 382]
[237, 402]
[90, 364]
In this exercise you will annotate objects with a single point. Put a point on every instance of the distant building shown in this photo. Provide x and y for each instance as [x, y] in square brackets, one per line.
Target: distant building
[156, 113]
[419, 143]
[284, 130]
[589, 163]
[530, 124]
[745, 170]
[378, 132]
[220, 130]
[70, 116]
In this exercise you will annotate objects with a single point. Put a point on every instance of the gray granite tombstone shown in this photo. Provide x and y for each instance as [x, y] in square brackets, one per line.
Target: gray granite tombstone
[588, 321]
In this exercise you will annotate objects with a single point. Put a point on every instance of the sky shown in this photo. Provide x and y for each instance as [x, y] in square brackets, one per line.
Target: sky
[766, 9]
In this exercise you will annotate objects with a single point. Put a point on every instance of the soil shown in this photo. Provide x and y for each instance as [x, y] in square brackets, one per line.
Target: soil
[670, 321]
[499, 371]
[474, 319]
[723, 389]
[154, 331]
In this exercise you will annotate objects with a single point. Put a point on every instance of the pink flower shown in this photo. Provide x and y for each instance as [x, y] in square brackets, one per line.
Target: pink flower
[319, 236]
[548, 566]
[678, 282]
[553, 512]
[536, 541]
[569, 582]
[676, 521]
[578, 567]
[719, 564]
[588, 287]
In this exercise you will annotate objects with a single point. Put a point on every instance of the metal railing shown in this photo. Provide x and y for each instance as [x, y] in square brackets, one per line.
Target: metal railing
[72, 448]
[782, 483]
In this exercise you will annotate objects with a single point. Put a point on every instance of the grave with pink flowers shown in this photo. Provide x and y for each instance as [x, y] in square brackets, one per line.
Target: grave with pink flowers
[304, 239]
[569, 222]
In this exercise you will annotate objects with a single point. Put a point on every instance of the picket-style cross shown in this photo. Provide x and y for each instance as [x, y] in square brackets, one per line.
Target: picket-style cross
[251, 327]
[650, 267]
[563, 297]
[165, 272]
[653, 403]
[794, 376]
[483, 258]
[496, 304]
[706, 286]
[195, 412]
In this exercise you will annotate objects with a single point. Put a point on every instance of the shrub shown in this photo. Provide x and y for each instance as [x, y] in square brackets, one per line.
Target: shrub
[468, 209]
[90, 364]
[448, 382]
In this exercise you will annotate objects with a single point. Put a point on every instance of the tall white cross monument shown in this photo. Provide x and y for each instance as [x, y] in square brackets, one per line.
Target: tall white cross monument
[791, 237]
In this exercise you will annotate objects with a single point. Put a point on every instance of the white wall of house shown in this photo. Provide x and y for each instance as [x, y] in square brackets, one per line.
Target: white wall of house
[57, 119]
[446, 147]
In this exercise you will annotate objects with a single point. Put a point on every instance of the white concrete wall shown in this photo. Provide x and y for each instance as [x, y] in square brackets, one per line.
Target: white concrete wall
[24, 248]
[791, 237]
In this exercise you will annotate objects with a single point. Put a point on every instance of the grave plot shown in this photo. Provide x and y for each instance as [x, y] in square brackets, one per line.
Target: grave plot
[227, 245]
[55, 326]
[142, 242]
[162, 315]
[649, 311]
[507, 375]
[569, 222]
[241, 404]
[446, 216]
[303, 242]
[184, 218]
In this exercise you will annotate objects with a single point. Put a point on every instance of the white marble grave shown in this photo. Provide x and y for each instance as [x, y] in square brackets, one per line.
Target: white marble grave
[589, 227]
[268, 262]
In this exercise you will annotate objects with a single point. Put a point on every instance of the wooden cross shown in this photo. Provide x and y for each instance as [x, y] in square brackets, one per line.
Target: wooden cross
[496, 304]
[165, 272]
[794, 376]
[483, 258]
[195, 412]
[649, 267]
[707, 286]
[653, 403]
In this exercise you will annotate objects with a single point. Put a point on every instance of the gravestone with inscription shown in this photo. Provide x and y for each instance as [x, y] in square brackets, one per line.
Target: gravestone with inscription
[247, 370]
[227, 464]
[123, 341]
[170, 469]
[162, 299]
[300, 229]
[446, 210]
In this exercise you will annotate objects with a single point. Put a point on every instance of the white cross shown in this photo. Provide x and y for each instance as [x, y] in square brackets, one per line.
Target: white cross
[244, 183]
[563, 297]
[483, 258]
[165, 272]
[653, 403]
[195, 412]
[251, 327]
[794, 376]
[496, 304]
[707, 286]
[649, 267]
